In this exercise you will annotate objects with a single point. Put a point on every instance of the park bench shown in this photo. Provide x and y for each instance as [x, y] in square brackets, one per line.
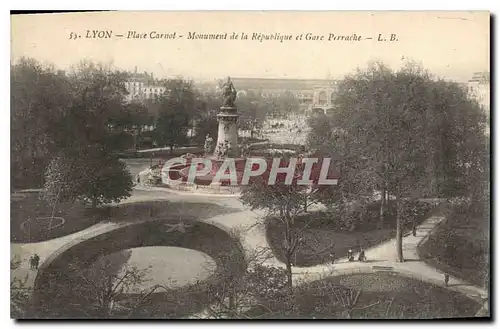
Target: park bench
[382, 268]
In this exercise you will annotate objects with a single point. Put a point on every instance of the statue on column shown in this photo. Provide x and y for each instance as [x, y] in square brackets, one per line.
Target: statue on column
[228, 93]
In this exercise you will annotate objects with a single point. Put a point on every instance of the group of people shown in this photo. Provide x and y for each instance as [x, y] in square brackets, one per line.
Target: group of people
[350, 256]
[34, 262]
[361, 256]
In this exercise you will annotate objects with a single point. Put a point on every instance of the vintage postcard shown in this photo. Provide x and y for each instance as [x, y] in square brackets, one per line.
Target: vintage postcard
[250, 165]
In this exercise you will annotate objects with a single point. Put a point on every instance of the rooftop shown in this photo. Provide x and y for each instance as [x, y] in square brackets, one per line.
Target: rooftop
[290, 84]
[481, 77]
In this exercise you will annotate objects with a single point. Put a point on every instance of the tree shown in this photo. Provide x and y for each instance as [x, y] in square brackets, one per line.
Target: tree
[252, 109]
[107, 280]
[85, 166]
[62, 180]
[237, 295]
[39, 96]
[107, 287]
[20, 302]
[56, 110]
[98, 104]
[205, 120]
[130, 123]
[177, 108]
[286, 201]
[390, 123]
[383, 123]
[328, 299]
[282, 104]
[91, 176]
[322, 132]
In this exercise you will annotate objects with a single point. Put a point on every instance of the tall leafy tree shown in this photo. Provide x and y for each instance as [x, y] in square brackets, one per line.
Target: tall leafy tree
[205, 119]
[252, 108]
[69, 119]
[89, 175]
[177, 107]
[281, 200]
[283, 104]
[98, 100]
[402, 133]
[39, 96]
[286, 201]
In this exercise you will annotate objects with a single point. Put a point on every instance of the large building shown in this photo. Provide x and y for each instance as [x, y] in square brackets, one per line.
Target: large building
[143, 86]
[311, 93]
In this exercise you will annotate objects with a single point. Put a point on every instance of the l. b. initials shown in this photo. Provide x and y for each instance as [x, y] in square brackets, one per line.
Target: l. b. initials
[393, 37]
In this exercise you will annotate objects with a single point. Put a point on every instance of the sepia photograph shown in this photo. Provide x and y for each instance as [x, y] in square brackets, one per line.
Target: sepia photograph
[205, 165]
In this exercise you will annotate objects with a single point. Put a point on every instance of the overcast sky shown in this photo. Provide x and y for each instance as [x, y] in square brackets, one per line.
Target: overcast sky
[449, 44]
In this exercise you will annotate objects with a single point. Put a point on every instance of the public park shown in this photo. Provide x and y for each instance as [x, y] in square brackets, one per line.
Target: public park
[97, 231]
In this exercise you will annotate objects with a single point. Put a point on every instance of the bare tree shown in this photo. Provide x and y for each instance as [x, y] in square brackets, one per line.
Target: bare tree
[233, 295]
[107, 281]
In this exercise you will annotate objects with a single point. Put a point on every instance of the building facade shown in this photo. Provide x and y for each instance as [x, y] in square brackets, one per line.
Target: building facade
[311, 93]
[143, 86]
[479, 87]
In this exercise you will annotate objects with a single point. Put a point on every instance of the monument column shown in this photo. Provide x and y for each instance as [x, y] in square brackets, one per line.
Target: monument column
[227, 136]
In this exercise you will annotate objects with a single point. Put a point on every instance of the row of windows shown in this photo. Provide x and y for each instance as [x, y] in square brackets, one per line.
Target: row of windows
[151, 90]
[322, 94]
[143, 96]
[131, 85]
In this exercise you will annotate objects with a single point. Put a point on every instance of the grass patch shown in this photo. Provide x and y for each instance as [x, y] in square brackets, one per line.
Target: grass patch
[30, 218]
[164, 153]
[329, 235]
[279, 146]
[460, 246]
[382, 296]
[143, 210]
[77, 216]
[57, 296]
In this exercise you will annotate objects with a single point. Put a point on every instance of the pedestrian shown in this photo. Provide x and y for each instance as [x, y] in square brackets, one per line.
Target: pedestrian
[350, 256]
[36, 261]
[32, 266]
[332, 258]
[362, 256]
[414, 230]
[446, 279]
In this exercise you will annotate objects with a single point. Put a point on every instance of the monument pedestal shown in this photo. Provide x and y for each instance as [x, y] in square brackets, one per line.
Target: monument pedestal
[228, 131]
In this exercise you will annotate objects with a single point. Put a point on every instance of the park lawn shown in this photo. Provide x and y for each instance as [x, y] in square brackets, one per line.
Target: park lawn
[382, 296]
[78, 216]
[326, 238]
[30, 205]
[319, 244]
[142, 210]
[58, 296]
[460, 246]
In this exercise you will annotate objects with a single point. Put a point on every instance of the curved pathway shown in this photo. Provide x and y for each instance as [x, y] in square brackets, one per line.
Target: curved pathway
[380, 258]
[249, 226]
[45, 249]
